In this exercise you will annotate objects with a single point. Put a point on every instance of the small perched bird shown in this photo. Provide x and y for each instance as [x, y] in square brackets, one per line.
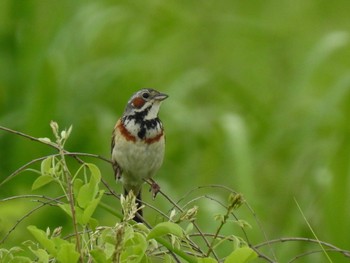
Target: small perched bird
[138, 143]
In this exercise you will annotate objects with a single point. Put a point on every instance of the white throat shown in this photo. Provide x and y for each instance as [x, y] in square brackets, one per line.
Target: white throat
[153, 112]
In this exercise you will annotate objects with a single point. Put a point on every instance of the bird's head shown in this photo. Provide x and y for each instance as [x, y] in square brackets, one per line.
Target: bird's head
[145, 101]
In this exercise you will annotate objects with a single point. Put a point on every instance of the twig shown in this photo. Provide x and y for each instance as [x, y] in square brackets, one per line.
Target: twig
[247, 205]
[76, 155]
[23, 167]
[24, 217]
[203, 187]
[79, 154]
[261, 255]
[70, 195]
[30, 196]
[194, 224]
[51, 144]
[235, 201]
[261, 229]
[304, 239]
[311, 252]
[222, 205]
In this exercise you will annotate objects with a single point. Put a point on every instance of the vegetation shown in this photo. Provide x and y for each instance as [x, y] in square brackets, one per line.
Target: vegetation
[258, 102]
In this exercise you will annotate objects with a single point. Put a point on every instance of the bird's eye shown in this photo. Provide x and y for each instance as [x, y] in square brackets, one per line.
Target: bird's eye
[145, 95]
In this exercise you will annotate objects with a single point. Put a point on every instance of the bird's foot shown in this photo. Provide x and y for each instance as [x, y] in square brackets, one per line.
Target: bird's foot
[155, 188]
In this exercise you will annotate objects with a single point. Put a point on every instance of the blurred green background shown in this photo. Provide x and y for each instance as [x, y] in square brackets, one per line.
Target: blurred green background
[259, 101]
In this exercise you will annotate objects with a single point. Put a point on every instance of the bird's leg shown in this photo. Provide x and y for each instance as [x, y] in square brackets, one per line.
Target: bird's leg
[155, 188]
[117, 171]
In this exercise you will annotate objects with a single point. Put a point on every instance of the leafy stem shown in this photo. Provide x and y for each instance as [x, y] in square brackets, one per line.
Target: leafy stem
[235, 201]
[60, 140]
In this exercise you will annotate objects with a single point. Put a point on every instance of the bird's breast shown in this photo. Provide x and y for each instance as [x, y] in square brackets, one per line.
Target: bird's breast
[139, 155]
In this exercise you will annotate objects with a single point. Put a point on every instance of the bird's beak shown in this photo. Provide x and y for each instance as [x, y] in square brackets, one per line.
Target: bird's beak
[160, 96]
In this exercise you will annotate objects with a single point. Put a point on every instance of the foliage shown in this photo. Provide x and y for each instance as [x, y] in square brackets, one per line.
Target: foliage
[258, 102]
[124, 242]
[171, 240]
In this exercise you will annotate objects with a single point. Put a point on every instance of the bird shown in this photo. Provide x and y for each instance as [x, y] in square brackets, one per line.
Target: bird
[138, 144]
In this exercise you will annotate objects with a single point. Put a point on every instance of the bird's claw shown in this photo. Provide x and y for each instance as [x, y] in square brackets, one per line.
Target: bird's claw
[155, 188]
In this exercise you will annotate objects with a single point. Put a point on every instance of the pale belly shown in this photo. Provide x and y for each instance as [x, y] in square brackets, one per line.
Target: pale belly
[138, 160]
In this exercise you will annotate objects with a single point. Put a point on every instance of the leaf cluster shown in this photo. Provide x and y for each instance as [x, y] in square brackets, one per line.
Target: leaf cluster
[177, 237]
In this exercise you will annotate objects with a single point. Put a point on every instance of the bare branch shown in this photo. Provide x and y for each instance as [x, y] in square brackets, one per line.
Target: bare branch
[26, 216]
[194, 223]
[51, 144]
[303, 239]
[312, 252]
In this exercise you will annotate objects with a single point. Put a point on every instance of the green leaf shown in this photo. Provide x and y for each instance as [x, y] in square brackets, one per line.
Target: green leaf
[99, 256]
[78, 212]
[41, 181]
[59, 242]
[20, 259]
[67, 253]
[90, 209]
[95, 172]
[189, 228]
[242, 223]
[134, 249]
[41, 254]
[145, 259]
[93, 224]
[78, 183]
[88, 191]
[46, 165]
[44, 241]
[206, 260]
[241, 255]
[66, 208]
[165, 228]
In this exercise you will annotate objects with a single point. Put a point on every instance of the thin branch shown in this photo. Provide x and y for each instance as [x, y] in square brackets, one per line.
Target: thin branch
[112, 192]
[30, 196]
[25, 216]
[304, 239]
[311, 252]
[251, 210]
[232, 239]
[49, 143]
[24, 167]
[69, 181]
[194, 223]
[79, 154]
[261, 229]
[222, 205]
[203, 187]
[66, 153]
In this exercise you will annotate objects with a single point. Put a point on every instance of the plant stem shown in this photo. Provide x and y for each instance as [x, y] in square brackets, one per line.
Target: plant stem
[223, 222]
[177, 251]
[60, 141]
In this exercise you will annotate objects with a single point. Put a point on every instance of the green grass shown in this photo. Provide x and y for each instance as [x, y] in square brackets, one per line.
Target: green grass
[258, 98]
